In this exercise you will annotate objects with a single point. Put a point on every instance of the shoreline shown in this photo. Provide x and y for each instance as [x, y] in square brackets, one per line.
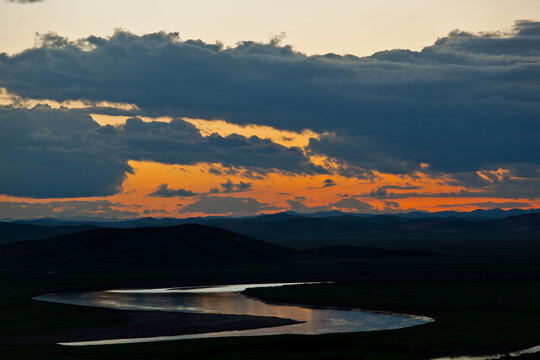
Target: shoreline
[141, 324]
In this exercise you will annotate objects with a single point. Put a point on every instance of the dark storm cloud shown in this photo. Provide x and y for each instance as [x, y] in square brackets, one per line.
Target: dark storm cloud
[43, 153]
[235, 206]
[467, 102]
[62, 153]
[163, 190]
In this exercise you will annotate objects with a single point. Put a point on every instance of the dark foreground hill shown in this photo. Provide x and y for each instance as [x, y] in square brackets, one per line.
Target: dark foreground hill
[12, 232]
[364, 252]
[175, 246]
[183, 245]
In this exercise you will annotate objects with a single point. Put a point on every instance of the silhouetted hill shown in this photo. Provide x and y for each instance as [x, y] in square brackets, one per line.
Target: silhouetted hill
[12, 232]
[276, 217]
[323, 214]
[384, 229]
[293, 230]
[476, 215]
[181, 245]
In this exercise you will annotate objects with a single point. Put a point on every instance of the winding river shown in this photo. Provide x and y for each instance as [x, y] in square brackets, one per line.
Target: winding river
[229, 300]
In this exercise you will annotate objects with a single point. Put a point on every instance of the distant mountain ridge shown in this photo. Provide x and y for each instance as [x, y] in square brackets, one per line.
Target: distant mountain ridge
[382, 230]
[151, 221]
[294, 230]
[12, 232]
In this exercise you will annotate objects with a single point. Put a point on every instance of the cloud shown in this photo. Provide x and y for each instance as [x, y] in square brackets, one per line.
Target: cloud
[390, 206]
[44, 154]
[214, 171]
[48, 152]
[299, 206]
[24, 1]
[326, 183]
[230, 187]
[347, 204]
[491, 205]
[226, 205]
[329, 183]
[467, 102]
[163, 190]
[65, 209]
[355, 205]
[400, 187]
[379, 193]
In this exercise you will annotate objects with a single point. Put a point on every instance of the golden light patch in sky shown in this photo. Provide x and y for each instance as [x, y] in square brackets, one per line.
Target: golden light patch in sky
[116, 120]
[276, 188]
[223, 128]
[282, 137]
[9, 99]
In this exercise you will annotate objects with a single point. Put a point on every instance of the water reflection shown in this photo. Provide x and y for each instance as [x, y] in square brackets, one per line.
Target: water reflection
[228, 300]
[533, 350]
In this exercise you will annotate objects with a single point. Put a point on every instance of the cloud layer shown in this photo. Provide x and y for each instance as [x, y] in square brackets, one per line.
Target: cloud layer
[226, 205]
[464, 110]
[24, 1]
[61, 153]
[66, 209]
[465, 103]
[163, 190]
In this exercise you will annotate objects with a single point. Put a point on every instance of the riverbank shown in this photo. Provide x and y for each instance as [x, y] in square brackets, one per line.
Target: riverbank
[138, 324]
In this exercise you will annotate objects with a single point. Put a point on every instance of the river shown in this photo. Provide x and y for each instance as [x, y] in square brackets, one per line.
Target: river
[229, 300]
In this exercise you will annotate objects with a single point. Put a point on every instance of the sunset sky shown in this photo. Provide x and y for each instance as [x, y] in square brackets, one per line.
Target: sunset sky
[121, 109]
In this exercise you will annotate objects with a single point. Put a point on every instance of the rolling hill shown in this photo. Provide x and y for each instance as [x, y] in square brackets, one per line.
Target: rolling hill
[384, 230]
[183, 245]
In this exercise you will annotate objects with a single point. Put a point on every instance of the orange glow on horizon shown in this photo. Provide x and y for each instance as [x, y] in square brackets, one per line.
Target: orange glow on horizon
[274, 189]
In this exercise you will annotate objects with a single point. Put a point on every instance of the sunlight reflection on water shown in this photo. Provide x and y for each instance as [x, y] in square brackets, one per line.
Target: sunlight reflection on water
[228, 300]
[532, 350]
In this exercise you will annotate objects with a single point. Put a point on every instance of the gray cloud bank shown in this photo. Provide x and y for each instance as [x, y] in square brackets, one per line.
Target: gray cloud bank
[349, 204]
[163, 190]
[24, 1]
[61, 153]
[220, 205]
[65, 209]
[230, 187]
[467, 102]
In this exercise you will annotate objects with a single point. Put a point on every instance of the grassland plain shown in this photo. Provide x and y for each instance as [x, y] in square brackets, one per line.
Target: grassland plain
[482, 304]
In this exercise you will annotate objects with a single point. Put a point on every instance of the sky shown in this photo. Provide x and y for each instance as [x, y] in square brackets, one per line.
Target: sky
[122, 109]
